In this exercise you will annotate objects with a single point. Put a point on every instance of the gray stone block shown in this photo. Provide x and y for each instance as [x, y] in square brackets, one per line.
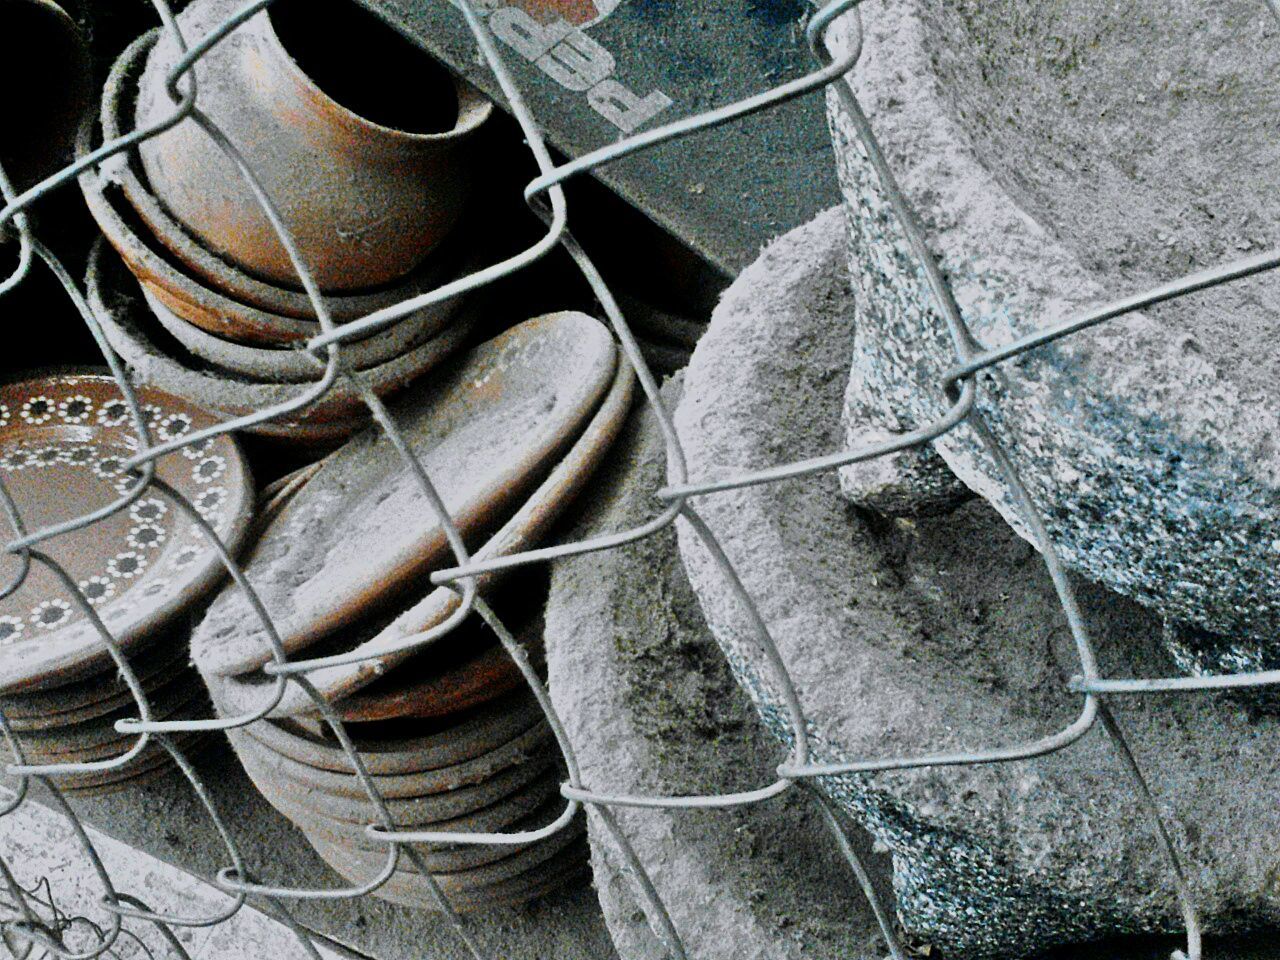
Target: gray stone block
[1060, 158]
[907, 637]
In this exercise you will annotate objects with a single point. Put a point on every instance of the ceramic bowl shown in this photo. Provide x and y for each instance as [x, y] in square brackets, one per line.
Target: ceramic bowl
[200, 304]
[366, 201]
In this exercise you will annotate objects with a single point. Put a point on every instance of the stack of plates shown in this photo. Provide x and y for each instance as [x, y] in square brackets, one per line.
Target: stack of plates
[509, 435]
[63, 440]
[225, 340]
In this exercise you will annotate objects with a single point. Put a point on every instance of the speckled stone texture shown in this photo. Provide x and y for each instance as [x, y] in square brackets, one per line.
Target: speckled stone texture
[651, 708]
[1048, 152]
[943, 633]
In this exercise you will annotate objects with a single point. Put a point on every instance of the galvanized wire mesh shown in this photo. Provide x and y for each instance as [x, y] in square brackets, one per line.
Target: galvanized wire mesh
[26, 928]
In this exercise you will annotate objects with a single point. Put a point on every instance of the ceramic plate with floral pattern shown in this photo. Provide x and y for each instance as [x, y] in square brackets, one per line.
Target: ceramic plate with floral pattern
[63, 442]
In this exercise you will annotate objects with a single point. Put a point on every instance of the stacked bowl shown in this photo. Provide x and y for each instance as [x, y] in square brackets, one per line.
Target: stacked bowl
[136, 571]
[371, 207]
[446, 728]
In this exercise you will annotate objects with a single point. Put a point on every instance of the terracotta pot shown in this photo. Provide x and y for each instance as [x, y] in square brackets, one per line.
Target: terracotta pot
[198, 262]
[50, 87]
[365, 202]
[201, 305]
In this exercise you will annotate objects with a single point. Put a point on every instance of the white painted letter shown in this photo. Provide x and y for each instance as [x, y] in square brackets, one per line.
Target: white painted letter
[624, 109]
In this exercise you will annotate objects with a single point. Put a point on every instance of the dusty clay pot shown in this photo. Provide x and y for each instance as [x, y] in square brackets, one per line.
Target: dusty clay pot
[365, 202]
[54, 80]
[125, 170]
[339, 413]
[204, 306]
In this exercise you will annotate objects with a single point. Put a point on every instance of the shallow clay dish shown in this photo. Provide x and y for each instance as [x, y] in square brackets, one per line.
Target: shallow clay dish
[360, 530]
[55, 73]
[62, 442]
[98, 739]
[535, 805]
[125, 170]
[206, 307]
[448, 858]
[152, 762]
[51, 719]
[524, 860]
[418, 811]
[525, 529]
[279, 365]
[336, 415]
[406, 747]
[154, 664]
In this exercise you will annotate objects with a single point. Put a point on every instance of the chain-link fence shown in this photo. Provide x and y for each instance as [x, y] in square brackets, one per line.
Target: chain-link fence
[28, 927]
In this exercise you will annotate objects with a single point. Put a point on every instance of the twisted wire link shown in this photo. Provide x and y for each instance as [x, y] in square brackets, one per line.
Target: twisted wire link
[545, 196]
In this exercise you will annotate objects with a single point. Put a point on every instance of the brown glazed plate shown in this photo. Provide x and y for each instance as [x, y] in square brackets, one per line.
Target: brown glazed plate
[361, 531]
[523, 530]
[63, 440]
[418, 810]
[154, 663]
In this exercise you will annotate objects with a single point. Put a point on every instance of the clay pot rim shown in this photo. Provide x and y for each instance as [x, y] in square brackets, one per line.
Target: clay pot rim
[473, 108]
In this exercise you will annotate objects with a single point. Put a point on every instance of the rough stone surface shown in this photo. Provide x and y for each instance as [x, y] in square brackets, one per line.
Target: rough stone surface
[1060, 158]
[651, 708]
[943, 633]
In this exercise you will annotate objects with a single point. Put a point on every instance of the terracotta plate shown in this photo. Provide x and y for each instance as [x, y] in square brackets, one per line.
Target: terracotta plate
[410, 890]
[536, 741]
[523, 530]
[62, 441]
[360, 530]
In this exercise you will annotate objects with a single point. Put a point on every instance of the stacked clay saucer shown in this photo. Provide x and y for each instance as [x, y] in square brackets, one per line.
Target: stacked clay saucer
[449, 731]
[63, 442]
[202, 325]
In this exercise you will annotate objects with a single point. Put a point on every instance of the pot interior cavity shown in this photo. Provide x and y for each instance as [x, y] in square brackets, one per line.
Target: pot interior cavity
[1144, 136]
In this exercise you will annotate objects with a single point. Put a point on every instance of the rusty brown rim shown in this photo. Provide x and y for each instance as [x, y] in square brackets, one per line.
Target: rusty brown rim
[74, 650]
[539, 512]
[536, 805]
